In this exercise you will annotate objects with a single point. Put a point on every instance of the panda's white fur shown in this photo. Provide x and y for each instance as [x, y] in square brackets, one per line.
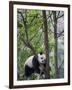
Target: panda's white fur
[41, 59]
[29, 62]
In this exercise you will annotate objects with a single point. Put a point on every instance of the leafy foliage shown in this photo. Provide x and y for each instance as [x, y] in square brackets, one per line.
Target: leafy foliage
[30, 39]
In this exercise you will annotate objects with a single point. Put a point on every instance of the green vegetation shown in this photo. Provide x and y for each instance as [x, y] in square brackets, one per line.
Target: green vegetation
[30, 39]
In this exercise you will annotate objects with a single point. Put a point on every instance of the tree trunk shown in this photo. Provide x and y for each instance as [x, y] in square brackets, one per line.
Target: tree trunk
[55, 49]
[47, 73]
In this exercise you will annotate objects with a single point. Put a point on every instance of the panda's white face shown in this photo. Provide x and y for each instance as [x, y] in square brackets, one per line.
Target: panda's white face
[41, 58]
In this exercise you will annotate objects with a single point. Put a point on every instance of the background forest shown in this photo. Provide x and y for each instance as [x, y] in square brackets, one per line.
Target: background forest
[40, 30]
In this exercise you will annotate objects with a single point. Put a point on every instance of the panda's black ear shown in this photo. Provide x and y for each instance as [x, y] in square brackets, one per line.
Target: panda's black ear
[41, 53]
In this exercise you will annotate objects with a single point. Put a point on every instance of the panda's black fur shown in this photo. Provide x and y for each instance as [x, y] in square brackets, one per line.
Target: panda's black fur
[35, 69]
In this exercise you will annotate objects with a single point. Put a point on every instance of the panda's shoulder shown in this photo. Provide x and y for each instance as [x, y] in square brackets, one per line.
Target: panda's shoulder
[29, 59]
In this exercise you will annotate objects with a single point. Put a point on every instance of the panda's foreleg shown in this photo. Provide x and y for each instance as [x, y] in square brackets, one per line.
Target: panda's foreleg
[43, 75]
[42, 69]
[39, 75]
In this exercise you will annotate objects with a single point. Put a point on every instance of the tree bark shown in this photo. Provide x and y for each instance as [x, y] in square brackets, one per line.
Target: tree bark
[47, 73]
[56, 43]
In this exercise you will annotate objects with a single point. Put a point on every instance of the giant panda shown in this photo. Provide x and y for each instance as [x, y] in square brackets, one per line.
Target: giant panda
[34, 64]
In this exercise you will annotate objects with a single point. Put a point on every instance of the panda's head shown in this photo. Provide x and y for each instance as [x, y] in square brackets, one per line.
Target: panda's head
[41, 58]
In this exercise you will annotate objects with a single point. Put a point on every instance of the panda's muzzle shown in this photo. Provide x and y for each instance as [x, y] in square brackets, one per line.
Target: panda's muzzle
[44, 61]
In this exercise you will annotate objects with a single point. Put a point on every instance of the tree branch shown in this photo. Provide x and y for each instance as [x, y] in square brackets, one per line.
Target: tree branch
[51, 19]
[33, 36]
[59, 34]
[35, 16]
[61, 65]
[41, 27]
[29, 45]
[49, 15]
[25, 24]
[60, 16]
[27, 42]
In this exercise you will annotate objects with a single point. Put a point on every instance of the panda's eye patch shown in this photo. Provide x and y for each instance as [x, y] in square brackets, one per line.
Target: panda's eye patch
[41, 57]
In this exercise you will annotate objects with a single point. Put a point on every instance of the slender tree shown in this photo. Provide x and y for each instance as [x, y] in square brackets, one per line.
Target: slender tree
[47, 73]
[56, 43]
